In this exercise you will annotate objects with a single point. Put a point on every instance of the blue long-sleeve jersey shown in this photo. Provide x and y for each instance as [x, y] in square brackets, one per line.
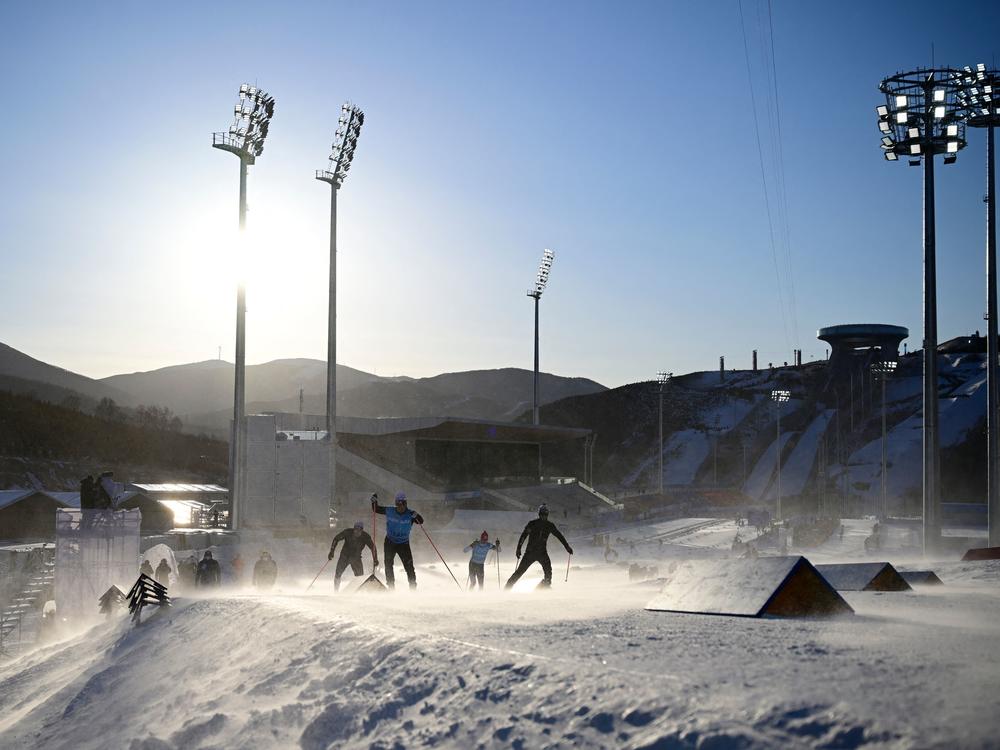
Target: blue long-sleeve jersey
[479, 551]
[398, 525]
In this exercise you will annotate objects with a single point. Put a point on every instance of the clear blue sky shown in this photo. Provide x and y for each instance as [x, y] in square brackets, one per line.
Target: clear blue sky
[619, 134]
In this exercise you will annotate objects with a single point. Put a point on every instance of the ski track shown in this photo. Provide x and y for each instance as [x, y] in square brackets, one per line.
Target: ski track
[580, 666]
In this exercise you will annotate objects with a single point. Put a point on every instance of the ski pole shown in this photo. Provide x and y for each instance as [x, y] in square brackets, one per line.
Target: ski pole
[499, 585]
[317, 576]
[441, 556]
[568, 558]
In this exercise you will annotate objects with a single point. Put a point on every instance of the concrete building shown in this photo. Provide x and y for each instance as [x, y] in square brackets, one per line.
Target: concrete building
[439, 462]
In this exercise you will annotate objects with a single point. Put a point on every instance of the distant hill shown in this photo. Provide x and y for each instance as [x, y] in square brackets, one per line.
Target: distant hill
[204, 387]
[201, 393]
[478, 394]
[45, 445]
[22, 374]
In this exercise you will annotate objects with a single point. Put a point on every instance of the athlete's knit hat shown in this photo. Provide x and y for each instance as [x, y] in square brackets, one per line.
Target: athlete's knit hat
[484, 537]
[543, 509]
[401, 497]
[359, 524]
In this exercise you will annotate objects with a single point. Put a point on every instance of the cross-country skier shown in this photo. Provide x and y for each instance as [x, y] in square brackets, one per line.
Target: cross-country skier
[480, 549]
[399, 521]
[209, 573]
[355, 540]
[537, 533]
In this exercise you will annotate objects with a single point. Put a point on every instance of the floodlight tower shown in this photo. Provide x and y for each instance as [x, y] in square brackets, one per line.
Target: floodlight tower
[541, 280]
[245, 138]
[345, 141]
[883, 371]
[980, 98]
[779, 397]
[921, 118]
[662, 378]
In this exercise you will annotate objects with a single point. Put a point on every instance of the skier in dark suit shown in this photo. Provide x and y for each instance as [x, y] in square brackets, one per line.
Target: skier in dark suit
[355, 540]
[537, 533]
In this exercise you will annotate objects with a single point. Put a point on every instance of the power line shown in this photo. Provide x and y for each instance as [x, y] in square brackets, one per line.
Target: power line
[763, 178]
[783, 193]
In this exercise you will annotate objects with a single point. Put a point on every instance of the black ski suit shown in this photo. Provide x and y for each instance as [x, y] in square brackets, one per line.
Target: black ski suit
[209, 573]
[350, 554]
[537, 533]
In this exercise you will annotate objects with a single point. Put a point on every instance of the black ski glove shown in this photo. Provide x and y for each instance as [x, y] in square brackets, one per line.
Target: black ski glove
[570, 550]
[417, 518]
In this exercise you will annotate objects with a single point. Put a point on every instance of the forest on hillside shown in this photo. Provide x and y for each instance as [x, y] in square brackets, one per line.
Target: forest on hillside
[31, 428]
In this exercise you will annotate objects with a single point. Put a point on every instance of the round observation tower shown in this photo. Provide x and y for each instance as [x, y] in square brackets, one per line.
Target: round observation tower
[870, 341]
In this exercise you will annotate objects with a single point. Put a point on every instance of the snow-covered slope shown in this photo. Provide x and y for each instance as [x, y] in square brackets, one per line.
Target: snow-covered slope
[581, 666]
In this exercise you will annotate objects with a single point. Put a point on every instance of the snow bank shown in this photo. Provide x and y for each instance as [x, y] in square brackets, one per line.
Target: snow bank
[580, 666]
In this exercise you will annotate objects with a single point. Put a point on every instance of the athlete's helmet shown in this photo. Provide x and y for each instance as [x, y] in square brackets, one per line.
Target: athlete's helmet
[543, 510]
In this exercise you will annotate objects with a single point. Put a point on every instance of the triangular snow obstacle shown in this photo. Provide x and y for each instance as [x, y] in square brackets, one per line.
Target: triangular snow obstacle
[370, 584]
[921, 577]
[982, 553]
[760, 587]
[874, 576]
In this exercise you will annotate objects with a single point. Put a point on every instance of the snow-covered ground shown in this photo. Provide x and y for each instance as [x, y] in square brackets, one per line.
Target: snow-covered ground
[582, 665]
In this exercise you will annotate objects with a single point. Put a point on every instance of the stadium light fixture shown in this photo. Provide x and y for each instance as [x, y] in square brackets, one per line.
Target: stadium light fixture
[245, 138]
[345, 142]
[541, 281]
[982, 110]
[924, 110]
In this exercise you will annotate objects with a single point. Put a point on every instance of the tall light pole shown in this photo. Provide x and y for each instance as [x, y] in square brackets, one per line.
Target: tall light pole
[779, 397]
[541, 280]
[883, 370]
[245, 138]
[345, 141]
[662, 378]
[980, 99]
[920, 119]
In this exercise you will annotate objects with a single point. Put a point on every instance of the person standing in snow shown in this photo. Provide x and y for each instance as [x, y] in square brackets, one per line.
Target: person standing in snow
[477, 563]
[146, 568]
[265, 571]
[187, 572]
[399, 521]
[209, 573]
[355, 540]
[237, 564]
[163, 572]
[537, 533]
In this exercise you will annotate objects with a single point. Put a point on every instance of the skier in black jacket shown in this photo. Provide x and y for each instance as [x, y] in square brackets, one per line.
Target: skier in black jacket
[355, 540]
[537, 533]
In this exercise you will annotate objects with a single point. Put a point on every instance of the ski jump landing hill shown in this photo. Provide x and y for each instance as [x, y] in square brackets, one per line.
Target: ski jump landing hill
[730, 431]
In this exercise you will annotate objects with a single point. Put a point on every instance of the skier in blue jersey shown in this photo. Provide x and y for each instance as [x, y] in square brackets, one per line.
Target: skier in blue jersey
[477, 563]
[399, 521]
